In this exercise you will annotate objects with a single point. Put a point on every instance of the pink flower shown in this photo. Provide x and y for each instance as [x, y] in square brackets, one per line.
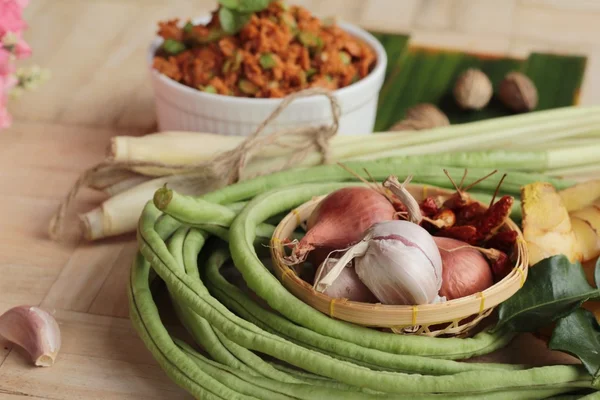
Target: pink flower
[11, 19]
[22, 49]
[7, 67]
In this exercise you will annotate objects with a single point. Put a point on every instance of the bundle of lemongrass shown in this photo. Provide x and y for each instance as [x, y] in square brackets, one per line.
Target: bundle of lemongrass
[562, 142]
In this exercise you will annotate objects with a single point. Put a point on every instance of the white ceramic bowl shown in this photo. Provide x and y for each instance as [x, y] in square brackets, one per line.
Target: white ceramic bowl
[179, 107]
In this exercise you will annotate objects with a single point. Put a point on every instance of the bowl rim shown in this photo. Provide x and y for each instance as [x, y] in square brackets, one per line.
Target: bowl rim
[371, 79]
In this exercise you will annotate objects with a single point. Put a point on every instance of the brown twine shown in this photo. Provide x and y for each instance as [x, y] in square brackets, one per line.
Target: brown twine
[226, 167]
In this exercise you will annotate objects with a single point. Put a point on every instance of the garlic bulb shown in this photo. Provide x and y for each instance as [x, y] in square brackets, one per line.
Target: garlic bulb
[397, 260]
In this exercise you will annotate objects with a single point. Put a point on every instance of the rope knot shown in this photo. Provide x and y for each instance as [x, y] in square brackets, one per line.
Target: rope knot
[226, 167]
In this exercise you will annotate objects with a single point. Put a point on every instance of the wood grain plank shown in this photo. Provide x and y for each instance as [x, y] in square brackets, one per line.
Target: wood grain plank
[23, 235]
[37, 182]
[84, 377]
[488, 17]
[78, 94]
[112, 297]
[556, 25]
[18, 396]
[435, 15]
[488, 44]
[343, 10]
[55, 146]
[591, 80]
[25, 284]
[582, 6]
[5, 346]
[100, 357]
[389, 16]
[101, 337]
[82, 277]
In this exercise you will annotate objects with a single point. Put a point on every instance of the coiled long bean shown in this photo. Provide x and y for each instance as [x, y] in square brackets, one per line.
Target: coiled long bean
[192, 294]
[268, 287]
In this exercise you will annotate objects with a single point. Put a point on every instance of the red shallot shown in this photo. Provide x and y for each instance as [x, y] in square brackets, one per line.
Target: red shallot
[341, 219]
[465, 270]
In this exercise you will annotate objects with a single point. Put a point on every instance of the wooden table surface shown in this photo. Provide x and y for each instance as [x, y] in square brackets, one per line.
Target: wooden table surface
[96, 51]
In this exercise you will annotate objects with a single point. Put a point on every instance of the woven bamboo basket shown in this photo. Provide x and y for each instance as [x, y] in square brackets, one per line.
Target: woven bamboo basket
[452, 318]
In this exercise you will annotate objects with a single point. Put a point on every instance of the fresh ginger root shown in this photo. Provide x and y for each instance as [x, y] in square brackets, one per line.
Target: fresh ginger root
[581, 195]
[583, 203]
[547, 227]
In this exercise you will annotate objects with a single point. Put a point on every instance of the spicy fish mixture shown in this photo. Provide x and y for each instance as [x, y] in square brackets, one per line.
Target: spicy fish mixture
[280, 50]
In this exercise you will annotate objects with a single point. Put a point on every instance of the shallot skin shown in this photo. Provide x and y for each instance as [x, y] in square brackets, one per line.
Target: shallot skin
[341, 219]
[465, 269]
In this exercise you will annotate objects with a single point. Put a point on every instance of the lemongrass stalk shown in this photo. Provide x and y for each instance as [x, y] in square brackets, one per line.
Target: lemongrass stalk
[570, 157]
[550, 136]
[481, 141]
[562, 143]
[126, 184]
[170, 147]
[119, 214]
[454, 138]
[578, 170]
[102, 179]
[511, 159]
[176, 147]
[182, 148]
[590, 135]
[483, 132]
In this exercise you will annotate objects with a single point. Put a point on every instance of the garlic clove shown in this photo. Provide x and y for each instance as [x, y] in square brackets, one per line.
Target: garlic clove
[34, 330]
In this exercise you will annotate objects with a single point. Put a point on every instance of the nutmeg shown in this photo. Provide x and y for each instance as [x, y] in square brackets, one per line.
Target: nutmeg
[421, 116]
[473, 90]
[518, 92]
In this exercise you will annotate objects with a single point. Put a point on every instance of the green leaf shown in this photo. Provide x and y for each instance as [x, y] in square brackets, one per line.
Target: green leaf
[309, 39]
[209, 89]
[310, 72]
[345, 57]
[283, 5]
[232, 21]
[237, 60]
[247, 87]
[232, 4]
[267, 61]
[173, 47]
[226, 66]
[579, 335]
[597, 273]
[554, 288]
[252, 5]
[213, 35]
[187, 28]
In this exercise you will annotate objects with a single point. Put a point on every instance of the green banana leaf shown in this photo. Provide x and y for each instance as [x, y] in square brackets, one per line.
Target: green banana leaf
[419, 75]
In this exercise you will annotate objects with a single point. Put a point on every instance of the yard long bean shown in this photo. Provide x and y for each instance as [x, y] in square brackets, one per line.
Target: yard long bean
[190, 293]
[263, 283]
[240, 302]
[335, 359]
